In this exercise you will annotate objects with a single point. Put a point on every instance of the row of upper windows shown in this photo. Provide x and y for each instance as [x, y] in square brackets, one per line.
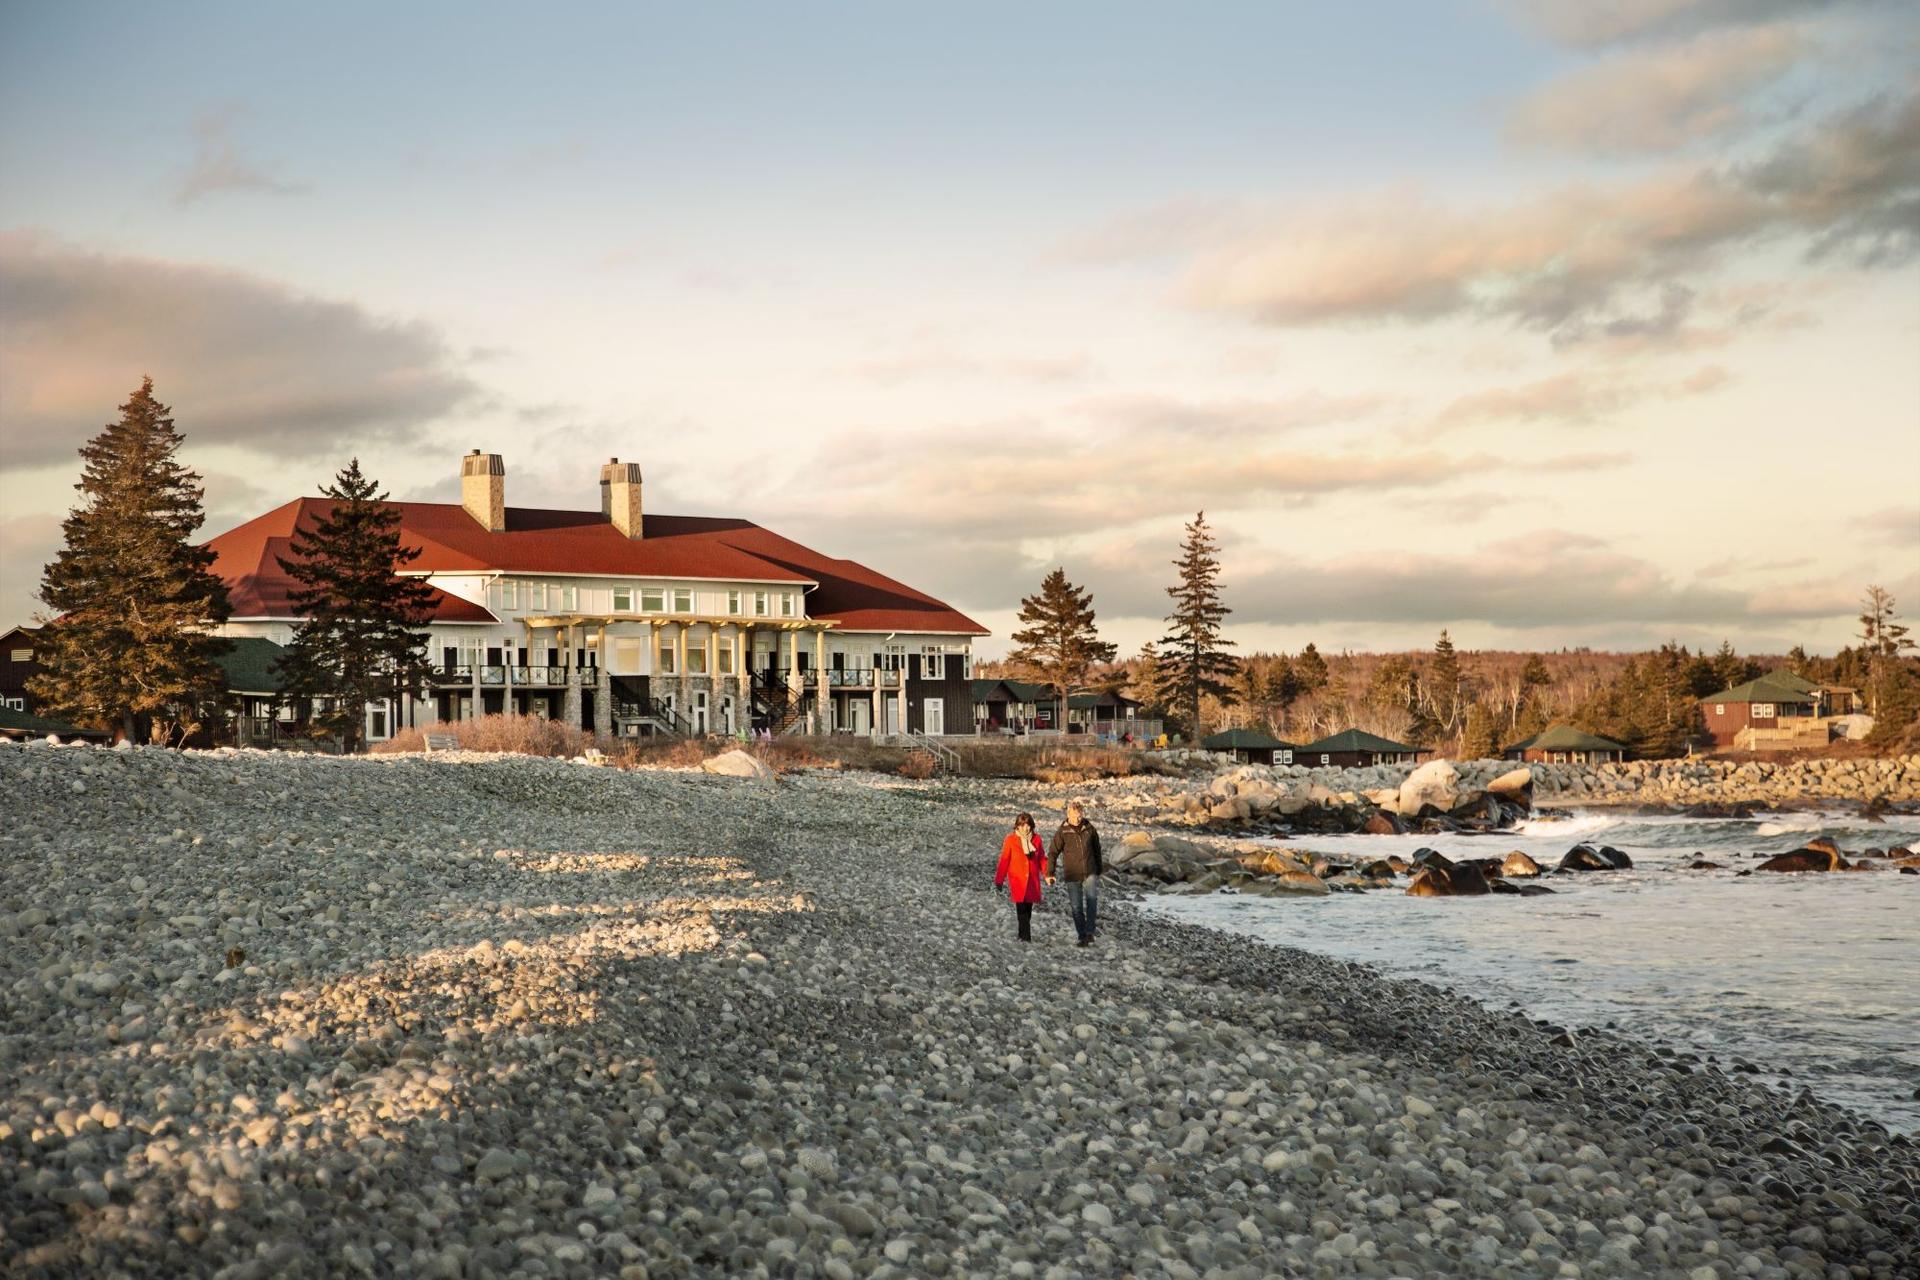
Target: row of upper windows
[512, 593]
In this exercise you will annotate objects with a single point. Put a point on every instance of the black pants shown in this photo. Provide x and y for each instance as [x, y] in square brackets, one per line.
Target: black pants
[1023, 912]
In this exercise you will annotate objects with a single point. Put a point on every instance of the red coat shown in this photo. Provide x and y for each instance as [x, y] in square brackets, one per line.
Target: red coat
[1021, 870]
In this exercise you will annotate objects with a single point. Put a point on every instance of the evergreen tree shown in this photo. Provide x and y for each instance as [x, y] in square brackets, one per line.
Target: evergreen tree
[1798, 662]
[1729, 668]
[1534, 680]
[1310, 670]
[1477, 740]
[362, 637]
[129, 647]
[1881, 641]
[1283, 685]
[1444, 689]
[1059, 643]
[1255, 692]
[1193, 656]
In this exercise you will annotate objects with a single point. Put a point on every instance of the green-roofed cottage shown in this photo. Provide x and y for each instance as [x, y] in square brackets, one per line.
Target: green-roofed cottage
[262, 717]
[1009, 706]
[1776, 711]
[1250, 746]
[24, 726]
[1564, 744]
[1357, 749]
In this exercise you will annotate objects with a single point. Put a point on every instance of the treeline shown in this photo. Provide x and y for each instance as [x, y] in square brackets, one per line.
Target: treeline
[1471, 704]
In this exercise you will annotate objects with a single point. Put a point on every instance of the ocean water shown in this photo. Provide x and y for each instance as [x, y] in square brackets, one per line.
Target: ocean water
[1813, 978]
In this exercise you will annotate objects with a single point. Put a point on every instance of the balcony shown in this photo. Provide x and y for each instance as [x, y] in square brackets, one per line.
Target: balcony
[495, 677]
[862, 678]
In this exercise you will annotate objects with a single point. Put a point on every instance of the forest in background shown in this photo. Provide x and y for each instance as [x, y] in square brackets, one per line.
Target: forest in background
[1471, 703]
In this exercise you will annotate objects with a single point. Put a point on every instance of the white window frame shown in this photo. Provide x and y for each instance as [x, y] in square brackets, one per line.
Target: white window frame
[733, 602]
[786, 604]
[653, 599]
[683, 600]
[725, 660]
[383, 709]
[509, 594]
[761, 604]
[23, 655]
[666, 661]
[1763, 711]
[1719, 708]
[569, 598]
[623, 599]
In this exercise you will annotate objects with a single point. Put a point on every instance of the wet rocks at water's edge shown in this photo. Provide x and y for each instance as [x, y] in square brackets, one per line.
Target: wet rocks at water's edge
[518, 1017]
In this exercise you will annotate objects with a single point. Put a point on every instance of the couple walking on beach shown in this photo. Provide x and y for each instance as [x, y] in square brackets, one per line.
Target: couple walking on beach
[1074, 856]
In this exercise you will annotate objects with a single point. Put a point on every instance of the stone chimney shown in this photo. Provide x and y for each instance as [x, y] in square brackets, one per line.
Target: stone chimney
[483, 489]
[620, 495]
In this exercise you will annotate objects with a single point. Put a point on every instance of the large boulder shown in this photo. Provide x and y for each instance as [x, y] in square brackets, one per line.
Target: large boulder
[1808, 859]
[1382, 823]
[1271, 862]
[1517, 865]
[1435, 783]
[1584, 857]
[1459, 881]
[738, 764]
[1513, 785]
[1301, 883]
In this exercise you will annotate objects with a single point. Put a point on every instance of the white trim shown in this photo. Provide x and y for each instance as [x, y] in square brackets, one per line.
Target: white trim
[554, 573]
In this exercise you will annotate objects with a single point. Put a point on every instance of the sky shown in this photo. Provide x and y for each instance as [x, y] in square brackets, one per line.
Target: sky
[1564, 323]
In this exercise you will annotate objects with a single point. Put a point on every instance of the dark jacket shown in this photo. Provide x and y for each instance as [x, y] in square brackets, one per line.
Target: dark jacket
[1076, 850]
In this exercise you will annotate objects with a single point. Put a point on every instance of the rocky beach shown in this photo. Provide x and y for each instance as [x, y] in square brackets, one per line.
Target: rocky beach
[271, 1015]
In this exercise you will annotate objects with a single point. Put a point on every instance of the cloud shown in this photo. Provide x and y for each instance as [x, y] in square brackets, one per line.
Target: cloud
[218, 165]
[27, 543]
[930, 364]
[1162, 415]
[1595, 23]
[1898, 525]
[1575, 398]
[243, 361]
[1582, 260]
[1549, 579]
[1659, 98]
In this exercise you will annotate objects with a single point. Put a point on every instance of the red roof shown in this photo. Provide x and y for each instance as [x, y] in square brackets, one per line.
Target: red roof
[585, 542]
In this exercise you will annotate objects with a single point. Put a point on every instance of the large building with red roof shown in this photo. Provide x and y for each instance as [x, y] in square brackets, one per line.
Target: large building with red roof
[623, 621]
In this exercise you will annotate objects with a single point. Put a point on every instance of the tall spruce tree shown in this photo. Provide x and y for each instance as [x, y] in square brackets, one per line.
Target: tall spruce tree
[129, 646]
[361, 639]
[1194, 661]
[1882, 638]
[1444, 689]
[1059, 644]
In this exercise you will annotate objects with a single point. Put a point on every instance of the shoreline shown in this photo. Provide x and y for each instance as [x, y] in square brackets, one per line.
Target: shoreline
[766, 1027]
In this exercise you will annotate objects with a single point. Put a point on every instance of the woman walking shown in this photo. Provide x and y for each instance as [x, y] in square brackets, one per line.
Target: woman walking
[1023, 864]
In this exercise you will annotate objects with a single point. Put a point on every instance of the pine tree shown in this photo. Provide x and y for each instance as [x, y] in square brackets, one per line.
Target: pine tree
[1881, 640]
[1444, 689]
[1059, 643]
[130, 645]
[1477, 741]
[1193, 656]
[1729, 669]
[1283, 685]
[1311, 670]
[361, 639]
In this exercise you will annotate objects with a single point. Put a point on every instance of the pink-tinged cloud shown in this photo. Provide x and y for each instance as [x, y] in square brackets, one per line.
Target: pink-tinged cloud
[243, 361]
[1582, 261]
[1658, 98]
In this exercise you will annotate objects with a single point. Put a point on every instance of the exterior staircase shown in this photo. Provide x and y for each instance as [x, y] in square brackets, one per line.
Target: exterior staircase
[777, 706]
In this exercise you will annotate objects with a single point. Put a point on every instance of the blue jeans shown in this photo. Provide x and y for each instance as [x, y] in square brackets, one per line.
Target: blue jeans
[1084, 897]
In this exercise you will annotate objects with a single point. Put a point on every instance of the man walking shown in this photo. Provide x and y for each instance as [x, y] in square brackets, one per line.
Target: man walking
[1076, 858]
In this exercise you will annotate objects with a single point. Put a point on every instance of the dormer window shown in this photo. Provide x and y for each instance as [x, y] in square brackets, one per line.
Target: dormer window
[653, 600]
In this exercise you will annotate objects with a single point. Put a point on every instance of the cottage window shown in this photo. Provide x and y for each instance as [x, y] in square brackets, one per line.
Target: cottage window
[1719, 708]
[1763, 711]
[16, 704]
[759, 604]
[733, 603]
[23, 655]
[786, 604]
[1325, 759]
[682, 600]
[1286, 757]
[653, 600]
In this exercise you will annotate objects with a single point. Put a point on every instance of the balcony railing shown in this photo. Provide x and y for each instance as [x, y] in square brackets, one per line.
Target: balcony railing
[495, 676]
[863, 678]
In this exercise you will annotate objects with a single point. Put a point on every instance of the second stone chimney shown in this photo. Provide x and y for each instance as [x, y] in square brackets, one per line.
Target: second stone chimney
[483, 489]
[620, 495]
